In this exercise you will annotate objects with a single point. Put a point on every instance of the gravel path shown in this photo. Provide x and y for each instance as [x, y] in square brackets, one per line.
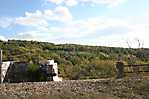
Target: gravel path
[103, 88]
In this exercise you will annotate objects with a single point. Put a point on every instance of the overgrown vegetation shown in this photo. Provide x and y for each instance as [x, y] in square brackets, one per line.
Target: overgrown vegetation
[74, 61]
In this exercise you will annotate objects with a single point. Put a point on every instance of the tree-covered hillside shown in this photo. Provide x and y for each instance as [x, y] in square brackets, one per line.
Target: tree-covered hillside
[74, 61]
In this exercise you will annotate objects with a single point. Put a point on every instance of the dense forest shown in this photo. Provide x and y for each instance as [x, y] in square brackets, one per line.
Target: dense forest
[74, 61]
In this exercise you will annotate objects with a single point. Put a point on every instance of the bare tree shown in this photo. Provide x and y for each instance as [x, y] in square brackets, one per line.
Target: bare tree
[132, 58]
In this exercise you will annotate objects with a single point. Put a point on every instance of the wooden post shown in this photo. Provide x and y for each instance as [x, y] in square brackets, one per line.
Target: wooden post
[1, 55]
[120, 69]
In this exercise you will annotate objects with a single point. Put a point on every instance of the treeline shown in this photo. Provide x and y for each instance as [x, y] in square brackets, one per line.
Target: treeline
[74, 61]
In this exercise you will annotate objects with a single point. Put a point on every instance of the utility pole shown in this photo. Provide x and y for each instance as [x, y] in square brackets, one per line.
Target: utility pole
[1, 61]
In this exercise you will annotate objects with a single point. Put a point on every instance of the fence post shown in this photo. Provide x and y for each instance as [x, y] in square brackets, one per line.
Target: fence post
[120, 69]
[1, 65]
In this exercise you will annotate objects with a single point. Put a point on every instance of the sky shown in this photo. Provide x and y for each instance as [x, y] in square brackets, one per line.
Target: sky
[115, 23]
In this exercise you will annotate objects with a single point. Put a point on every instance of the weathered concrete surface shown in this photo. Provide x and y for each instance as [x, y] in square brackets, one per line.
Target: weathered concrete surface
[80, 89]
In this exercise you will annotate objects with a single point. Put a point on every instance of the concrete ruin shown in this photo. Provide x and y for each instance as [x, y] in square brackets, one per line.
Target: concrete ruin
[4, 68]
[51, 64]
[15, 72]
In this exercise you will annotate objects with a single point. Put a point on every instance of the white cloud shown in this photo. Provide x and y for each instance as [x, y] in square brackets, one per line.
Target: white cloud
[91, 26]
[95, 30]
[62, 13]
[28, 35]
[109, 3]
[3, 38]
[32, 19]
[71, 2]
[31, 35]
[56, 1]
[41, 18]
[5, 22]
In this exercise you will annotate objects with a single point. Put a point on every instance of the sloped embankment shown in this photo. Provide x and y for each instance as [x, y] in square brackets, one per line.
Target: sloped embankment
[80, 89]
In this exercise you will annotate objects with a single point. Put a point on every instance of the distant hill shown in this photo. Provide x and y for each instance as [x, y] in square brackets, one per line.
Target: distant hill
[74, 61]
